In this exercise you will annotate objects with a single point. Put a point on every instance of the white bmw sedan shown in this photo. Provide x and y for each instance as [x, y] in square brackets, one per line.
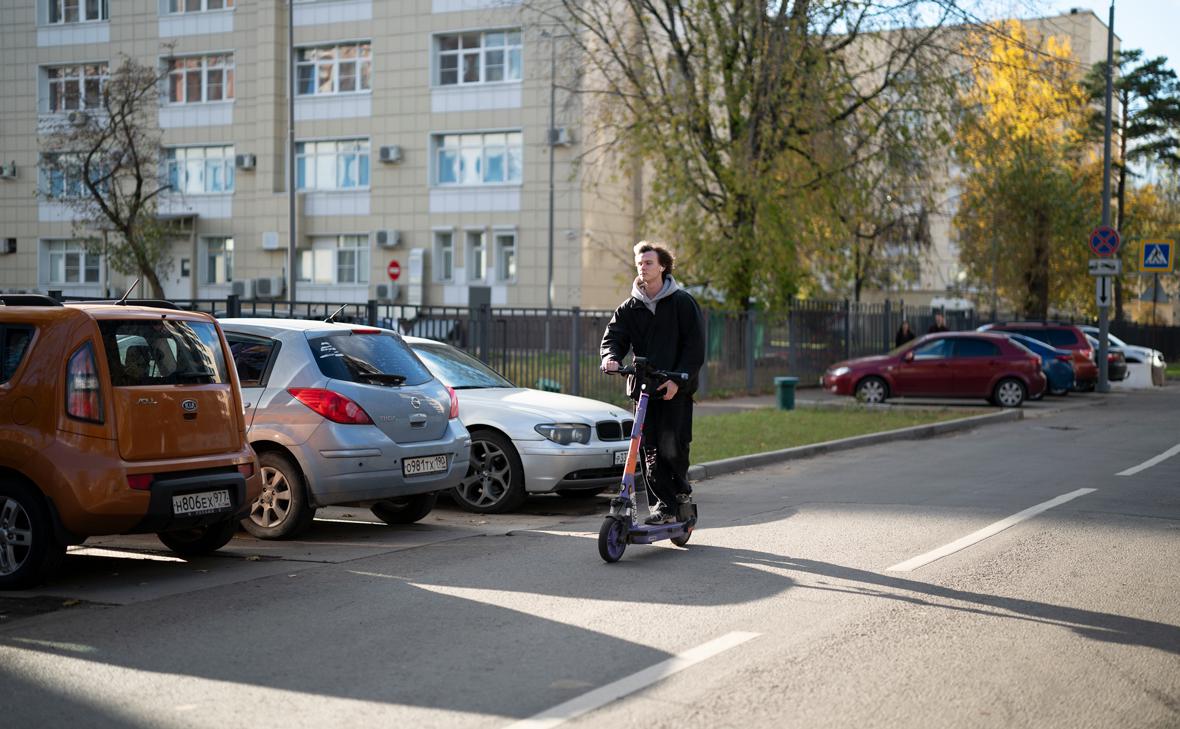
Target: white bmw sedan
[526, 441]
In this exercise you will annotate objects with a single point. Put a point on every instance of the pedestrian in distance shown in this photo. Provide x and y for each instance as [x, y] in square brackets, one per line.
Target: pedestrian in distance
[939, 324]
[662, 322]
[904, 334]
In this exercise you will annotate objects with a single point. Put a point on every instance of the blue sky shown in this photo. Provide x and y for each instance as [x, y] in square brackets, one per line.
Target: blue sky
[1152, 25]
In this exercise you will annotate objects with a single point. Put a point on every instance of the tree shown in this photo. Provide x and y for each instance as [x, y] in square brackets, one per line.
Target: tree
[1027, 194]
[103, 164]
[737, 106]
[1147, 130]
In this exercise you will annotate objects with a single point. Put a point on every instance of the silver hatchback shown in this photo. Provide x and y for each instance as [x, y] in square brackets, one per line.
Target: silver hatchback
[342, 414]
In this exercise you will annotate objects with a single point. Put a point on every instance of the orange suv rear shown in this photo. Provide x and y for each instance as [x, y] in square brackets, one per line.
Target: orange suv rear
[115, 418]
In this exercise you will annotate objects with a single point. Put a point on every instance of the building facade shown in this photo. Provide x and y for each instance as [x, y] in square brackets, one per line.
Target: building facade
[422, 151]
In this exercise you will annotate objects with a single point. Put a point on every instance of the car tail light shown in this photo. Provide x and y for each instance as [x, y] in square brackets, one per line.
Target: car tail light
[246, 469]
[1037, 360]
[454, 403]
[332, 405]
[1086, 353]
[140, 481]
[83, 396]
[1111, 357]
[1063, 358]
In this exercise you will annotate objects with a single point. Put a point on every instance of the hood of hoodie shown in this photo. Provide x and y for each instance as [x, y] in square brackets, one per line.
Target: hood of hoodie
[670, 287]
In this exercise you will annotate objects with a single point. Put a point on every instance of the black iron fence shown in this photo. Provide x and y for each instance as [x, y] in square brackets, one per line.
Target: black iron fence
[745, 350]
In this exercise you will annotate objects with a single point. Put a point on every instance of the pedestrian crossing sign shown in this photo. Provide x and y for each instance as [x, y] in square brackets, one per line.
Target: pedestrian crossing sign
[1157, 256]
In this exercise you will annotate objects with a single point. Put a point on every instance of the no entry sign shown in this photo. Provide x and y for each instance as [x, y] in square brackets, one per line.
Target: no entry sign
[394, 270]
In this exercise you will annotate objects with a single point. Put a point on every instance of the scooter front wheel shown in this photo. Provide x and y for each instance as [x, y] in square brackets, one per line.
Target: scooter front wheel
[612, 539]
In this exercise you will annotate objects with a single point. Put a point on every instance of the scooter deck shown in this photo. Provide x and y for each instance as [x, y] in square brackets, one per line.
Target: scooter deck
[649, 533]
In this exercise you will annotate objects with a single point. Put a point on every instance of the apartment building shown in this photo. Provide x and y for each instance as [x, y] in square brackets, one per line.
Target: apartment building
[422, 149]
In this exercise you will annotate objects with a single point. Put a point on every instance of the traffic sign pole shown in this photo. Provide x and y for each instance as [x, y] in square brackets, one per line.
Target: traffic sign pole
[1103, 322]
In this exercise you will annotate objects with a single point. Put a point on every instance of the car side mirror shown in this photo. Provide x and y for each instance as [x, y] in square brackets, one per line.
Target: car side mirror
[908, 356]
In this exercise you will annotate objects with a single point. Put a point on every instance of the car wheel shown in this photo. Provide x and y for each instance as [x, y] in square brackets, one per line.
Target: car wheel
[405, 510]
[495, 479]
[1060, 392]
[580, 493]
[29, 550]
[282, 510]
[1009, 393]
[198, 541]
[872, 390]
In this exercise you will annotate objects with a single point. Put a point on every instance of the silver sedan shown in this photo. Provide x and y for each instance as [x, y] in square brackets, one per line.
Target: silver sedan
[526, 441]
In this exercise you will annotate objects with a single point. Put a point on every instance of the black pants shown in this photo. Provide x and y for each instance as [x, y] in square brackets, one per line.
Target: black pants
[667, 428]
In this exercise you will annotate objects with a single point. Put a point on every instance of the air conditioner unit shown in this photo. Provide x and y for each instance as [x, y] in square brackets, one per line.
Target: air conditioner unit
[387, 238]
[387, 293]
[8, 171]
[242, 288]
[244, 161]
[270, 240]
[8, 245]
[269, 288]
[391, 154]
[77, 118]
[560, 137]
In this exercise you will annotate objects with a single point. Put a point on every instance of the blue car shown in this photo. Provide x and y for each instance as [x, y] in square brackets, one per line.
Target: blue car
[1055, 363]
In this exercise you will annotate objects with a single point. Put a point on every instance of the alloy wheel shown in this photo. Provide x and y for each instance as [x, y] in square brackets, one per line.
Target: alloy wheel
[872, 391]
[274, 503]
[489, 477]
[1009, 394]
[16, 535]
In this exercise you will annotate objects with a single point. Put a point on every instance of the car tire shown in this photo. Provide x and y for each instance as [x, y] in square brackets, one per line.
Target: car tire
[30, 551]
[872, 390]
[283, 509]
[1009, 393]
[1059, 393]
[580, 493]
[200, 540]
[405, 510]
[494, 482]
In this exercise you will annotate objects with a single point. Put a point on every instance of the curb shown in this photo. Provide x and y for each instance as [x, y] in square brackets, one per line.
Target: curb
[713, 469]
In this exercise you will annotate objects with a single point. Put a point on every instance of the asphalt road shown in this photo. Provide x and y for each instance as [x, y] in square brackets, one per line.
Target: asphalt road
[806, 598]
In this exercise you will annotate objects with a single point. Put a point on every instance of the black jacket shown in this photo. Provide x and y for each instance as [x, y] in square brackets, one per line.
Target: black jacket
[672, 339]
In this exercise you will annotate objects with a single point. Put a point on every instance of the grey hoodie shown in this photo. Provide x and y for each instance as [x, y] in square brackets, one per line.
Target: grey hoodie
[670, 287]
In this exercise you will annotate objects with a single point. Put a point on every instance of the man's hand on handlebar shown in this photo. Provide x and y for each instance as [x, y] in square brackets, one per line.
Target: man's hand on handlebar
[669, 388]
[610, 365]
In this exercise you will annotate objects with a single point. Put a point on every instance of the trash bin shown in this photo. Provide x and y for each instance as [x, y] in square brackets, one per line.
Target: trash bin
[548, 385]
[786, 392]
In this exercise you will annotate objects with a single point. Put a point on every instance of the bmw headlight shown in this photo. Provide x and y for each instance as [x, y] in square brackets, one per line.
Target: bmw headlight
[840, 371]
[565, 433]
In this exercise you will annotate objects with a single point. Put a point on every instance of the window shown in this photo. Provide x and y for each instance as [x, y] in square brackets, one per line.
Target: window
[219, 260]
[197, 6]
[339, 69]
[478, 159]
[251, 356]
[78, 11]
[143, 352]
[198, 79]
[478, 58]
[937, 349]
[71, 263]
[198, 170]
[62, 177]
[476, 255]
[338, 259]
[364, 358]
[444, 255]
[505, 255]
[76, 87]
[976, 348]
[14, 342]
[341, 164]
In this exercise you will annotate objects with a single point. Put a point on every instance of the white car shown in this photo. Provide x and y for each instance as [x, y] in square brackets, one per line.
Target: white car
[526, 441]
[1153, 358]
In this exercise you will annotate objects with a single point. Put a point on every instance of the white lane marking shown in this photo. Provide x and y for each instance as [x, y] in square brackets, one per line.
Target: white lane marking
[618, 689]
[1150, 462]
[987, 531]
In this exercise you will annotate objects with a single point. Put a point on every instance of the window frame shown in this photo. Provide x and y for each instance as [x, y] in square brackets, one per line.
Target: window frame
[502, 266]
[103, 8]
[962, 343]
[87, 262]
[461, 154]
[5, 329]
[438, 249]
[210, 267]
[171, 165]
[364, 163]
[475, 254]
[84, 100]
[71, 184]
[228, 74]
[182, 10]
[326, 253]
[480, 53]
[275, 345]
[359, 61]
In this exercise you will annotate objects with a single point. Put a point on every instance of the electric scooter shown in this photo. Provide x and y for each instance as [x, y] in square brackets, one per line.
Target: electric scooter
[624, 524]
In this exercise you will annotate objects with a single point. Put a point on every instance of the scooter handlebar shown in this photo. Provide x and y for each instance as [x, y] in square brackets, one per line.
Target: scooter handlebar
[649, 372]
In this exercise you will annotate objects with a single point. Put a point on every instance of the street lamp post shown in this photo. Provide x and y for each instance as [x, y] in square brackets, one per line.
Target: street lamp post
[1103, 311]
[292, 238]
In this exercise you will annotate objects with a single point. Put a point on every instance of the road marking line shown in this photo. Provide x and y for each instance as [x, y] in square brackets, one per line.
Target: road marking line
[987, 531]
[618, 689]
[1150, 462]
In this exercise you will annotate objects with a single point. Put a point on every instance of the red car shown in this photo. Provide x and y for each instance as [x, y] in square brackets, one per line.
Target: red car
[950, 364]
[1062, 336]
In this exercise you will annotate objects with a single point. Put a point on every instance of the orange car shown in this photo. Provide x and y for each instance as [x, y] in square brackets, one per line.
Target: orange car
[115, 418]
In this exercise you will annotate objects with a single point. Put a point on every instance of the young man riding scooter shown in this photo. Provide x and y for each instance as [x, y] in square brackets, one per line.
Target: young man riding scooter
[662, 322]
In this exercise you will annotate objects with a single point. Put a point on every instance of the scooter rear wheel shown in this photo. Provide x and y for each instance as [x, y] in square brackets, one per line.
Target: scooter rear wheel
[681, 541]
[612, 539]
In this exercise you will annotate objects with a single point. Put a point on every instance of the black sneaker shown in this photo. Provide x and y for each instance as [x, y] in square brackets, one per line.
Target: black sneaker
[659, 516]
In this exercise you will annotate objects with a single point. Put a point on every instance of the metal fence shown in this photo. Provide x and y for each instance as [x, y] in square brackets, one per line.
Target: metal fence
[745, 350]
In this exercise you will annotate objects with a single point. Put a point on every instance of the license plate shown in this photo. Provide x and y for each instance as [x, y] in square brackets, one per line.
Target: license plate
[423, 465]
[620, 457]
[209, 502]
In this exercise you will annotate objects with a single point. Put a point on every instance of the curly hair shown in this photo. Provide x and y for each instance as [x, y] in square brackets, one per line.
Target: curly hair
[663, 255]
